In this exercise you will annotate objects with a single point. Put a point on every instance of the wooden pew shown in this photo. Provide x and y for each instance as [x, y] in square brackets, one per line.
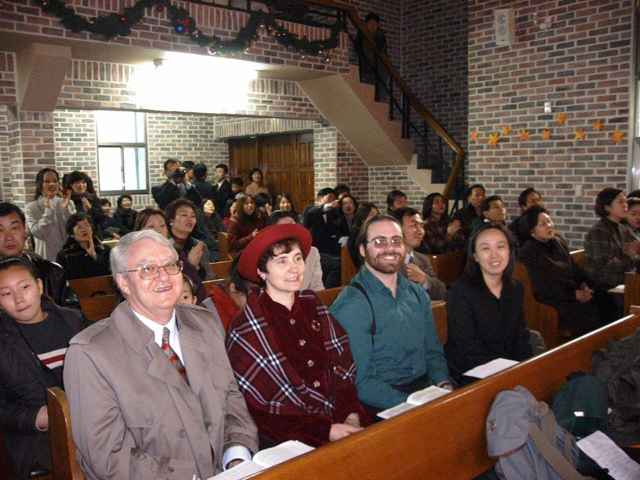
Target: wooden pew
[93, 286]
[448, 266]
[63, 450]
[631, 290]
[348, 269]
[539, 316]
[329, 295]
[222, 269]
[578, 257]
[439, 309]
[446, 438]
[223, 244]
[97, 308]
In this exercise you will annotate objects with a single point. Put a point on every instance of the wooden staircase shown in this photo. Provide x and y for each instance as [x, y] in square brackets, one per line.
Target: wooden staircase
[350, 106]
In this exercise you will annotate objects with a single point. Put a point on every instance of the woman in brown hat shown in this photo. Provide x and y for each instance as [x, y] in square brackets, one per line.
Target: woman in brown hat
[291, 358]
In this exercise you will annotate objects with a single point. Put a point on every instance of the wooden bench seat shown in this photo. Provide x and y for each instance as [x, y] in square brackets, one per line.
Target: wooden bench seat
[449, 266]
[93, 286]
[540, 317]
[97, 308]
[446, 438]
[64, 465]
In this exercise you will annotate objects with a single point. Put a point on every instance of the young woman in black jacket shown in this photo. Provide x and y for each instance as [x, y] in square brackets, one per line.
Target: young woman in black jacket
[485, 307]
[83, 255]
[34, 336]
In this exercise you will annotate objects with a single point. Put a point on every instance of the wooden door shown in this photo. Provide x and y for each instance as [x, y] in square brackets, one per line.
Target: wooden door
[286, 160]
[243, 156]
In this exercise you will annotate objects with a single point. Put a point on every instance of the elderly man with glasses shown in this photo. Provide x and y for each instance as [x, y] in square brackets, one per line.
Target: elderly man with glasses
[389, 322]
[150, 388]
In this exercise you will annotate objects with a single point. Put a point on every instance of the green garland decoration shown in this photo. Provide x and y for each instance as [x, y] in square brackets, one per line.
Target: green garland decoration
[120, 24]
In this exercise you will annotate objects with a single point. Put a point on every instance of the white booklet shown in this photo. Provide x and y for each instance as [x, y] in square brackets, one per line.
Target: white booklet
[414, 400]
[264, 459]
[490, 368]
[608, 455]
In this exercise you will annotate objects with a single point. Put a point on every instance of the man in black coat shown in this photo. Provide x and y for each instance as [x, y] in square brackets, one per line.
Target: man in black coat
[175, 187]
[13, 236]
[222, 189]
[205, 189]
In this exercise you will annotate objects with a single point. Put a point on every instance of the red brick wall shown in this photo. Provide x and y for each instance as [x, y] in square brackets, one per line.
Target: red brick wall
[582, 63]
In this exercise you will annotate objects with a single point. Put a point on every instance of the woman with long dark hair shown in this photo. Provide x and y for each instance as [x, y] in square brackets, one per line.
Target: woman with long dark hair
[256, 183]
[83, 255]
[83, 196]
[245, 225]
[125, 215]
[47, 215]
[485, 307]
[557, 280]
[441, 234]
[182, 218]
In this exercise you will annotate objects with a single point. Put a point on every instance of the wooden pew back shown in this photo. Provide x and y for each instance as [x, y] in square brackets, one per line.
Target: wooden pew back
[348, 269]
[328, 295]
[93, 286]
[438, 308]
[97, 308]
[223, 244]
[446, 438]
[540, 317]
[631, 290]
[63, 450]
[578, 257]
[448, 266]
[222, 269]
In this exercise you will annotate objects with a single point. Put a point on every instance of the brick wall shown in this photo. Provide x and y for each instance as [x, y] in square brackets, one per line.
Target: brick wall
[434, 63]
[155, 31]
[582, 63]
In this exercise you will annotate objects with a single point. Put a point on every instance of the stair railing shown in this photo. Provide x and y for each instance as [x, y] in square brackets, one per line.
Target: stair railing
[403, 100]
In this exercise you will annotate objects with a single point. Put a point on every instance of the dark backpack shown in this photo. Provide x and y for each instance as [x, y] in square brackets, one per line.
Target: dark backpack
[581, 405]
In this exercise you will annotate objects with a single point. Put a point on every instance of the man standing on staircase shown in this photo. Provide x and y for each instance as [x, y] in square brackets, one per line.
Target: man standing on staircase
[370, 64]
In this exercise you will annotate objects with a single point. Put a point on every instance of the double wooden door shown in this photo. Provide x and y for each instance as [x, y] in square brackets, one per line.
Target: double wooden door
[286, 161]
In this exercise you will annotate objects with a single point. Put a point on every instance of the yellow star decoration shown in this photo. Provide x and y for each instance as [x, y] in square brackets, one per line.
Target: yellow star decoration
[546, 134]
[506, 131]
[561, 119]
[494, 138]
[474, 136]
[617, 136]
[524, 135]
[580, 134]
[598, 125]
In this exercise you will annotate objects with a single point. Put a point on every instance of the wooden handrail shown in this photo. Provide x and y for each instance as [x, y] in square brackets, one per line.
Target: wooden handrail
[415, 102]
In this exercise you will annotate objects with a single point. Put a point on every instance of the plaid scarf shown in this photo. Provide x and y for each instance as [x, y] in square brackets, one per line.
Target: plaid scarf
[265, 375]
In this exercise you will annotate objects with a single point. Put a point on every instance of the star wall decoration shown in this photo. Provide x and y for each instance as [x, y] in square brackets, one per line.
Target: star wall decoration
[524, 135]
[506, 130]
[561, 119]
[474, 136]
[494, 139]
[580, 135]
[617, 136]
[546, 134]
[598, 125]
